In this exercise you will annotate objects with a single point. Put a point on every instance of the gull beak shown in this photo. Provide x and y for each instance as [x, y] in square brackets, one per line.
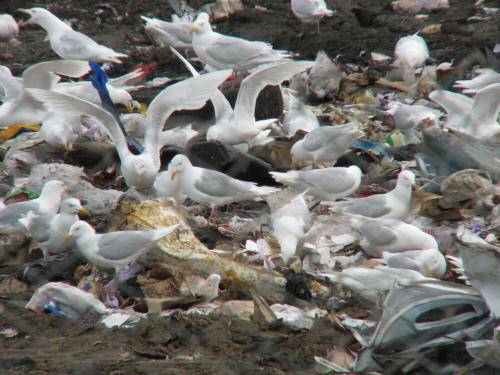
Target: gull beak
[68, 190]
[193, 29]
[25, 11]
[65, 146]
[67, 238]
[144, 109]
[139, 177]
[415, 187]
[84, 212]
[430, 273]
[173, 175]
[130, 109]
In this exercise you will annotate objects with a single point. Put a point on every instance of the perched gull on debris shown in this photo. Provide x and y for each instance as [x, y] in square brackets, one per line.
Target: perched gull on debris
[115, 249]
[60, 130]
[298, 116]
[9, 30]
[392, 205]
[406, 116]
[212, 187]
[68, 43]
[310, 11]
[476, 117]
[49, 230]
[390, 235]
[326, 143]
[222, 52]
[141, 170]
[372, 283]
[410, 52]
[327, 184]
[291, 223]
[21, 108]
[175, 34]
[429, 262]
[46, 204]
[239, 125]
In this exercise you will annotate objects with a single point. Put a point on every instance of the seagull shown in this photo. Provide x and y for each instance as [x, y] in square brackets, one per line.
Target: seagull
[326, 184]
[175, 34]
[165, 186]
[476, 117]
[21, 108]
[429, 262]
[68, 43]
[390, 235]
[9, 31]
[406, 116]
[223, 52]
[371, 283]
[115, 249]
[392, 205]
[141, 170]
[310, 11]
[410, 52]
[472, 86]
[291, 223]
[61, 130]
[326, 143]
[213, 187]
[239, 125]
[49, 231]
[46, 204]
[298, 117]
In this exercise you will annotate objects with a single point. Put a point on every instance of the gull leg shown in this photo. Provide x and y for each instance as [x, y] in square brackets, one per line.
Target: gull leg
[214, 214]
[301, 29]
[7, 55]
[317, 28]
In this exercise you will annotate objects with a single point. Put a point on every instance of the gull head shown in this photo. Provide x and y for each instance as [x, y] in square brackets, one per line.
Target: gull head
[120, 96]
[37, 15]
[407, 179]
[178, 164]
[73, 206]
[140, 171]
[201, 24]
[78, 230]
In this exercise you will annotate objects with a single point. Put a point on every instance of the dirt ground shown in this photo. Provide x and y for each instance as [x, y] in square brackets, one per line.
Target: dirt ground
[209, 345]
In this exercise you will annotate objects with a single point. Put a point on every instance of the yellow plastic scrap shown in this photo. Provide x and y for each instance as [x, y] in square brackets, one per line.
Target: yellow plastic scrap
[15, 130]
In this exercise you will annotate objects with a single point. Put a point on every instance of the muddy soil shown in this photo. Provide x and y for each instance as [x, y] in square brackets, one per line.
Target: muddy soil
[209, 345]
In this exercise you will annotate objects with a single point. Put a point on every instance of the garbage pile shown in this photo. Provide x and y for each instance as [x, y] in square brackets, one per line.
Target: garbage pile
[372, 188]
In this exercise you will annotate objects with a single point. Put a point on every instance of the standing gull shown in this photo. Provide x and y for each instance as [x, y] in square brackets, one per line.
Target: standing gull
[175, 34]
[222, 52]
[291, 223]
[327, 184]
[47, 203]
[410, 52]
[390, 235]
[212, 187]
[115, 249]
[9, 30]
[49, 230]
[393, 205]
[298, 116]
[68, 43]
[141, 170]
[326, 143]
[239, 125]
[310, 11]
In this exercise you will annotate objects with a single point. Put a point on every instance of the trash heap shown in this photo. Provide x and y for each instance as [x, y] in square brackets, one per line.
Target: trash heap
[369, 201]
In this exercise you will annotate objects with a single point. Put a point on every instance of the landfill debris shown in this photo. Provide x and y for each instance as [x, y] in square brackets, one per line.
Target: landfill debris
[296, 281]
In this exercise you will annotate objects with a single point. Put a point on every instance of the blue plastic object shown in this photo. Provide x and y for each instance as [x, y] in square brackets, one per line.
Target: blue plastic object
[99, 80]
